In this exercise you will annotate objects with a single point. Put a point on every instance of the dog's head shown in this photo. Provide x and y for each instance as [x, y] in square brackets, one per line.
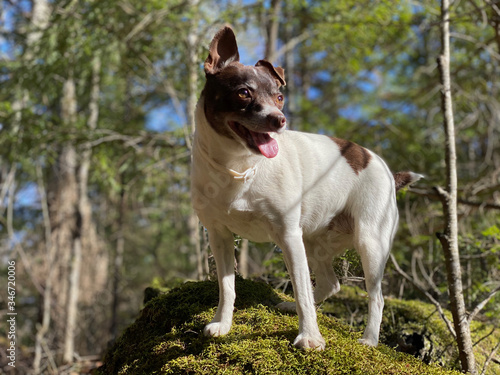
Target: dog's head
[243, 102]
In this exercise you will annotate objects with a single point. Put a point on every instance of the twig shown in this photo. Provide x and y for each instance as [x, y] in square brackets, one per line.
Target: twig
[290, 45]
[468, 38]
[433, 194]
[128, 140]
[7, 183]
[43, 328]
[482, 304]
[485, 336]
[448, 323]
[490, 357]
[426, 276]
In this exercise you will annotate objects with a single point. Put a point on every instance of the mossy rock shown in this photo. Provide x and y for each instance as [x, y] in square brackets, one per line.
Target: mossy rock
[167, 338]
[414, 327]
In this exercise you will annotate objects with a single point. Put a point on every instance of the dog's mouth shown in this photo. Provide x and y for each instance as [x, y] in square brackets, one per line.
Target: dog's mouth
[259, 142]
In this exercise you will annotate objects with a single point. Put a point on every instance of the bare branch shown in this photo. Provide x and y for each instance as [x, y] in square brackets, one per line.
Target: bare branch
[128, 140]
[290, 45]
[150, 18]
[9, 180]
[471, 39]
[43, 328]
[495, 7]
[490, 357]
[436, 195]
[482, 304]
[426, 275]
[417, 285]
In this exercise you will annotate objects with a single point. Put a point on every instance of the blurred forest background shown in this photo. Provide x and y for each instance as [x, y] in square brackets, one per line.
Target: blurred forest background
[96, 122]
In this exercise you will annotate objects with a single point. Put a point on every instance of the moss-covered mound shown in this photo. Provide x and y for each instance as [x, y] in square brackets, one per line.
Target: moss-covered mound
[167, 338]
[416, 328]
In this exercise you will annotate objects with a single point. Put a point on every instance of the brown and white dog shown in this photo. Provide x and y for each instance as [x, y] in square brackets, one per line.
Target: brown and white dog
[312, 195]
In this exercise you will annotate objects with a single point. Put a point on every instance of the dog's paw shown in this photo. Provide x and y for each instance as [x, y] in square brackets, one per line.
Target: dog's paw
[287, 307]
[310, 342]
[368, 342]
[216, 329]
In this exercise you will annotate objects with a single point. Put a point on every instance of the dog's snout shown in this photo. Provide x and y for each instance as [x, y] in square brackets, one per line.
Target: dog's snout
[282, 120]
[277, 120]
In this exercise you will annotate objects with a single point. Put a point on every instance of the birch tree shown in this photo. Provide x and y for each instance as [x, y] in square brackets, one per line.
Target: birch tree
[449, 239]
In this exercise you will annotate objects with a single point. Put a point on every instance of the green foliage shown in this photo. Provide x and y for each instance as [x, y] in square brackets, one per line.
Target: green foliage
[167, 339]
[493, 232]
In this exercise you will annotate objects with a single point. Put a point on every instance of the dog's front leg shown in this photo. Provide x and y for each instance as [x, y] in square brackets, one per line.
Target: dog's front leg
[296, 262]
[222, 246]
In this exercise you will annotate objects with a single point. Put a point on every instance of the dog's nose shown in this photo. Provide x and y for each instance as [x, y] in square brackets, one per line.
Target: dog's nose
[277, 121]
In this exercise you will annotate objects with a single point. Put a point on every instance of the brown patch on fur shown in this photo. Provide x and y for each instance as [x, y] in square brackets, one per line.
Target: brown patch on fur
[402, 179]
[342, 223]
[357, 157]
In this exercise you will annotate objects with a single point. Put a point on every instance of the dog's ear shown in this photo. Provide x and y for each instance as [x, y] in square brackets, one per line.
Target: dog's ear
[276, 71]
[223, 50]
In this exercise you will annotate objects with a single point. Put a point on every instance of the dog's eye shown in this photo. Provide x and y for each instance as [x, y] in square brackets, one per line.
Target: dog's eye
[243, 93]
[280, 98]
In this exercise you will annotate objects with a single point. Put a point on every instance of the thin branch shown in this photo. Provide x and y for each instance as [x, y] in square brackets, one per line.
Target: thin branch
[492, 331]
[490, 357]
[435, 195]
[7, 183]
[426, 275]
[47, 293]
[448, 323]
[150, 18]
[495, 7]
[290, 45]
[128, 140]
[469, 38]
[482, 304]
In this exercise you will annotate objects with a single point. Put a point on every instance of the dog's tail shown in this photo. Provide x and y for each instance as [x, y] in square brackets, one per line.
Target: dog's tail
[403, 179]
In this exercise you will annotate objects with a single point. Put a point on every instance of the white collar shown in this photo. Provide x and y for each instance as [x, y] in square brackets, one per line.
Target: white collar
[245, 176]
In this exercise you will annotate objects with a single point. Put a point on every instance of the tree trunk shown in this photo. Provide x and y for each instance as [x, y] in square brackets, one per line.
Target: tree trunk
[49, 260]
[272, 27]
[63, 197]
[449, 239]
[74, 291]
[94, 254]
[192, 67]
[40, 15]
[243, 263]
[290, 88]
[70, 245]
[86, 246]
[118, 262]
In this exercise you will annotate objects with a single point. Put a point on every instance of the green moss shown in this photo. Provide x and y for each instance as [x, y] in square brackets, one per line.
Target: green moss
[167, 338]
[414, 327]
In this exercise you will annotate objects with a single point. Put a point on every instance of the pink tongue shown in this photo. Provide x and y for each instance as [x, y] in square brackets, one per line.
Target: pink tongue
[267, 145]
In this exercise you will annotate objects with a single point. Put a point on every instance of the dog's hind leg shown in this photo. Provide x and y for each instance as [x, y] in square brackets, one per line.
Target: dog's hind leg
[327, 283]
[222, 246]
[374, 252]
[320, 258]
